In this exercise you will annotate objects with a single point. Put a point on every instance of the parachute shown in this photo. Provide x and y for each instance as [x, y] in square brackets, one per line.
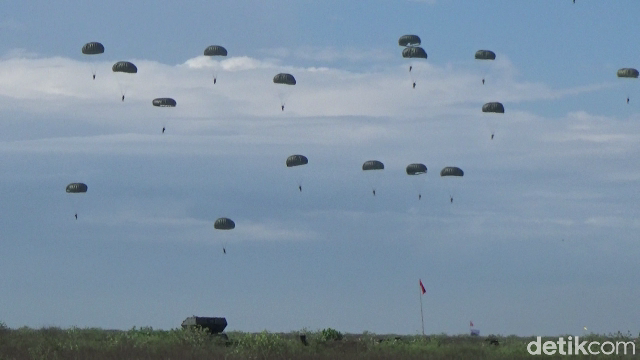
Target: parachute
[164, 102]
[124, 67]
[224, 224]
[485, 55]
[122, 70]
[286, 79]
[493, 107]
[451, 171]
[215, 50]
[76, 188]
[283, 93]
[372, 165]
[93, 48]
[414, 53]
[492, 122]
[416, 169]
[297, 160]
[409, 40]
[628, 73]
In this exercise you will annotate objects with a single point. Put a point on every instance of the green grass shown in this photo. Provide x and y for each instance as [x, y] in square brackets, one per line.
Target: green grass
[146, 343]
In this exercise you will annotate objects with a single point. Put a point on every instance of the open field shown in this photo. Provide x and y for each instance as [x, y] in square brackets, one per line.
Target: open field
[146, 343]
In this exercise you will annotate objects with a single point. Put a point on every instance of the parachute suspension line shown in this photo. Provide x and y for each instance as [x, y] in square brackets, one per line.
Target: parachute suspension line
[412, 76]
[71, 204]
[215, 74]
[121, 87]
[282, 95]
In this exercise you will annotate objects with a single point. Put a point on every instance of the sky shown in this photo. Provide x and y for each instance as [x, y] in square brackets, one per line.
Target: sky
[541, 238]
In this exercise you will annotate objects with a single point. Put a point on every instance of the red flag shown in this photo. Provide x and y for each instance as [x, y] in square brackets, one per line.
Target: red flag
[471, 323]
[422, 287]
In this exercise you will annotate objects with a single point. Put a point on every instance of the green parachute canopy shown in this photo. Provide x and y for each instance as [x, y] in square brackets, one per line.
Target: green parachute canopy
[224, 224]
[414, 52]
[628, 73]
[416, 169]
[76, 188]
[286, 79]
[372, 165]
[164, 102]
[493, 107]
[485, 55]
[409, 40]
[297, 160]
[451, 171]
[124, 67]
[215, 50]
[93, 48]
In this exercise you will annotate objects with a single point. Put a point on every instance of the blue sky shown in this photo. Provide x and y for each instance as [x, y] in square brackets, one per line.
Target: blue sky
[540, 240]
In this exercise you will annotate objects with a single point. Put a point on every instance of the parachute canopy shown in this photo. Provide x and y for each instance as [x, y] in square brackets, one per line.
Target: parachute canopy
[224, 224]
[297, 160]
[164, 102]
[286, 79]
[372, 165]
[409, 40]
[75, 188]
[93, 48]
[451, 171]
[485, 55]
[416, 169]
[125, 67]
[215, 50]
[628, 73]
[493, 107]
[414, 52]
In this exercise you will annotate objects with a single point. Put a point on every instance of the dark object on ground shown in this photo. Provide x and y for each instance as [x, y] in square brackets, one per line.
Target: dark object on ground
[492, 340]
[215, 325]
[303, 339]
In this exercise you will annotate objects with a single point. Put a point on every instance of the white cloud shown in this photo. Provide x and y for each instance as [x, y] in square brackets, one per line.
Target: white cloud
[245, 87]
[332, 54]
[360, 113]
[232, 64]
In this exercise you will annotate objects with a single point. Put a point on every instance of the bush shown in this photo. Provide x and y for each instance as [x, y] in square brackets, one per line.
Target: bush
[330, 334]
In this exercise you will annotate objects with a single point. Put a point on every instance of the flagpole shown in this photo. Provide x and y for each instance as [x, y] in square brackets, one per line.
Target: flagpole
[421, 314]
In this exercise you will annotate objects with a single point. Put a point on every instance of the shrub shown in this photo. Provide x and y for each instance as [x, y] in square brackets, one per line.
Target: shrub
[330, 334]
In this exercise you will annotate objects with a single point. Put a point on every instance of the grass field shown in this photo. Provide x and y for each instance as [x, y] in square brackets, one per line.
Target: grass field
[146, 343]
